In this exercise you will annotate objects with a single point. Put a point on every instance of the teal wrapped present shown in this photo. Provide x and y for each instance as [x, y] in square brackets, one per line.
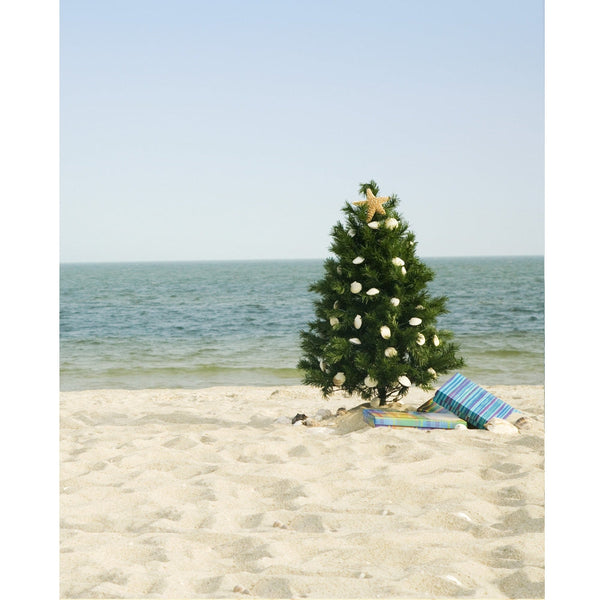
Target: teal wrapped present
[471, 402]
[379, 417]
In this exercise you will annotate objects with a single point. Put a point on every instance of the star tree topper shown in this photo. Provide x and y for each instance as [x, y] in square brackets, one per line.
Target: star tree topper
[374, 205]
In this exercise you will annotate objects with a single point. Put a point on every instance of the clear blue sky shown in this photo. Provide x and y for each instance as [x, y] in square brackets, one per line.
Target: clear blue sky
[195, 130]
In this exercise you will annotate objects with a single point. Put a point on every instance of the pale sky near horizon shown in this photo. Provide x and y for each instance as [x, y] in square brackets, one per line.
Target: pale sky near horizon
[195, 130]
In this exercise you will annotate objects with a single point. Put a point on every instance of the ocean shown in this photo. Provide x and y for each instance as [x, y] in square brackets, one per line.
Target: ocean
[200, 324]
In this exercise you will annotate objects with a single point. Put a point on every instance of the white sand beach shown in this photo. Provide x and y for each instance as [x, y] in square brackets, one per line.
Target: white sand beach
[210, 493]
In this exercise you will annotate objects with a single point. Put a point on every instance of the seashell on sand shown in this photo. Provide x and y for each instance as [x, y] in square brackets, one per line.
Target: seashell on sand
[501, 426]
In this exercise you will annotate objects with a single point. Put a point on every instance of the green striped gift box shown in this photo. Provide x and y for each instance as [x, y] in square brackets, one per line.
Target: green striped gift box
[471, 402]
[395, 418]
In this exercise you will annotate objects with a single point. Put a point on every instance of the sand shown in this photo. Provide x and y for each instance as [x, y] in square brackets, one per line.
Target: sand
[212, 493]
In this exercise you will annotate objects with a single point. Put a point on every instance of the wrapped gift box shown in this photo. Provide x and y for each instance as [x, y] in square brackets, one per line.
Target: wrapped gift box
[471, 402]
[431, 407]
[379, 417]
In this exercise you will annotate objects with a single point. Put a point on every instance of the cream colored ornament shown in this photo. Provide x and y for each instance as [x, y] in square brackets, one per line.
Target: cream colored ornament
[436, 340]
[374, 224]
[372, 292]
[390, 352]
[385, 332]
[420, 339]
[420, 307]
[403, 271]
[355, 287]
[391, 223]
[414, 321]
[374, 205]
[351, 232]
[432, 371]
[333, 321]
[354, 341]
[397, 261]
[358, 260]
[370, 382]
[395, 301]
[339, 378]
[404, 381]
[336, 304]
[357, 321]
[322, 365]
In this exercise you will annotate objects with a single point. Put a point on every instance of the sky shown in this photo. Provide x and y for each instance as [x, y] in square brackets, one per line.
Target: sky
[193, 130]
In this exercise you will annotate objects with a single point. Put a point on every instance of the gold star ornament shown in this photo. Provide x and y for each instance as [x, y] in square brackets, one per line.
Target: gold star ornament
[374, 205]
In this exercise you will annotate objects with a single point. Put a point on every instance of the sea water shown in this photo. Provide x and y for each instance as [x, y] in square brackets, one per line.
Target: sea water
[199, 324]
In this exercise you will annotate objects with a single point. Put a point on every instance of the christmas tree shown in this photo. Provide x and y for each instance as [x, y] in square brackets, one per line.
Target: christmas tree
[375, 332]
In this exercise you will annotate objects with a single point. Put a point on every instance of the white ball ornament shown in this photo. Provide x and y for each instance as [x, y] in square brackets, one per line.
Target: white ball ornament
[436, 340]
[358, 260]
[357, 321]
[386, 334]
[420, 339]
[355, 287]
[391, 223]
[370, 382]
[372, 292]
[354, 341]
[404, 381]
[397, 261]
[395, 301]
[414, 321]
[333, 321]
[390, 352]
[373, 224]
[339, 378]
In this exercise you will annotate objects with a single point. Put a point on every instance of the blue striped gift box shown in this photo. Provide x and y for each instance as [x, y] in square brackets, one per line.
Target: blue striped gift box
[471, 402]
[395, 418]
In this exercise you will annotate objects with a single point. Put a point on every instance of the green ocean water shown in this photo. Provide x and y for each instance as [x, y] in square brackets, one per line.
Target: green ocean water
[199, 324]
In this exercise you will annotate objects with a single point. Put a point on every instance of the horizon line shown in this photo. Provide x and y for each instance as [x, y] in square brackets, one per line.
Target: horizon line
[224, 260]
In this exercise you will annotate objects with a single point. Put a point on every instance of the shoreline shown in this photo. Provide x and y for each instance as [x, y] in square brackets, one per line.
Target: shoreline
[211, 493]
